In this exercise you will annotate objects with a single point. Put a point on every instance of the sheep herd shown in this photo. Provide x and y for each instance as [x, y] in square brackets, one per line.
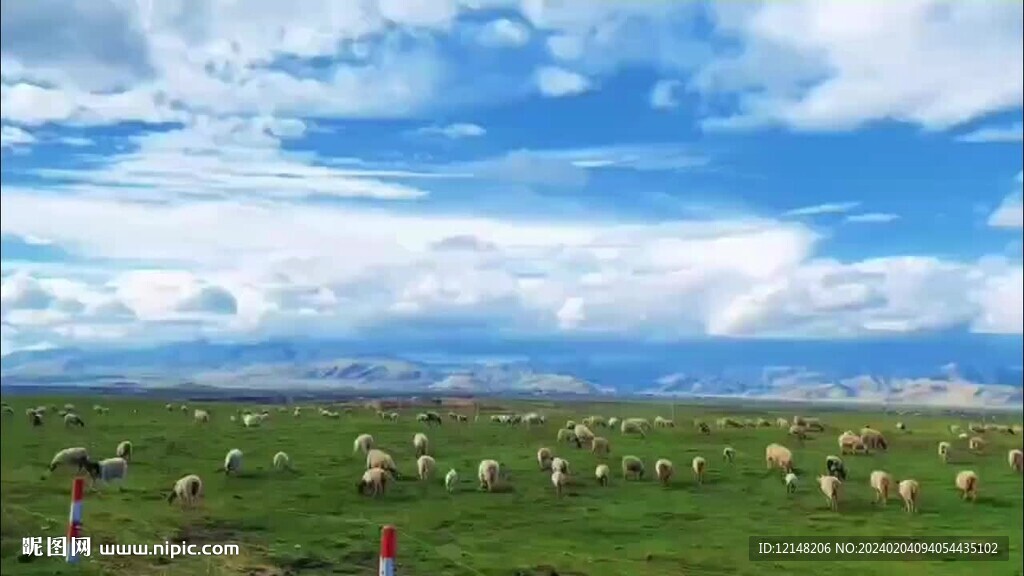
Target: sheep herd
[381, 470]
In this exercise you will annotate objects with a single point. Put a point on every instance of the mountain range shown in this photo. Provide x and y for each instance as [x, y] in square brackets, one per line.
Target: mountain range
[944, 370]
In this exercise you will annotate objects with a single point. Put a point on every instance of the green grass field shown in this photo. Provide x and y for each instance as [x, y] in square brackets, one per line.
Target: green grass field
[313, 521]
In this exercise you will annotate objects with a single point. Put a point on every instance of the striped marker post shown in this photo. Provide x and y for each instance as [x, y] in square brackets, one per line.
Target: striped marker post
[387, 551]
[75, 520]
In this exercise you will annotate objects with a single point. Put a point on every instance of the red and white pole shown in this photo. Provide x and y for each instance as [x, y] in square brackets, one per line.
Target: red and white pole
[75, 521]
[387, 551]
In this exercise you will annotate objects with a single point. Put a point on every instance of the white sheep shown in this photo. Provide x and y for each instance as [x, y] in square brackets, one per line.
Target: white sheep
[729, 453]
[791, 482]
[631, 465]
[188, 490]
[830, 486]
[201, 416]
[487, 473]
[881, 483]
[908, 491]
[124, 450]
[600, 446]
[699, 466]
[109, 470]
[544, 458]
[944, 449]
[603, 474]
[976, 443]
[425, 467]
[613, 422]
[559, 465]
[451, 479]
[631, 427]
[1016, 459]
[363, 443]
[232, 462]
[559, 479]
[583, 434]
[776, 455]
[374, 479]
[421, 444]
[252, 420]
[76, 456]
[967, 484]
[380, 459]
[567, 436]
[71, 419]
[663, 469]
[282, 461]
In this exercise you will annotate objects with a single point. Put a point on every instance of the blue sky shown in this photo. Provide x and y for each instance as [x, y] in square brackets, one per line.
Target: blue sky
[552, 168]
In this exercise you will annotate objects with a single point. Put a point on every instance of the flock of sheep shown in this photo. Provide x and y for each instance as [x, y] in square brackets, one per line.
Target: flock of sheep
[380, 469]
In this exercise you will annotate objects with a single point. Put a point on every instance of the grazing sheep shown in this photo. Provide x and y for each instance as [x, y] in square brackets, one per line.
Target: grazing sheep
[583, 435]
[813, 425]
[790, 482]
[188, 490]
[76, 456]
[1017, 429]
[976, 443]
[632, 465]
[451, 479]
[108, 470]
[850, 443]
[559, 465]
[363, 443]
[873, 439]
[603, 474]
[782, 423]
[901, 426]
[375, 480]
[699, 466]
[777, 455]
[124, 450]
[376, 458]
[613, 422]
[487, 473]
[909, 490]
[955, 429]
[297, 412]
[763, 423]
[630, 427]
[728, 454]
[544, 458]
[567, 436]
[799, 421]
[600, 446]
[420, 443]
[232, 462]
[1016, 459]
[425, 466]
[799, 431]
[184, 408]
[570, 424]
[169, 407]
[71, 419]
[69, 407]
[36, 418]
[252, 420]
[944, 449]
[830, 486]
[835, 467]
[594, 421]
[663, 469]
[967, 484]
[963, 436]
[704, 428]
[976, 428]
[660, 422]
[201, 416]
[559, 479]
[429, 418]
[881, 482]
[282, 461]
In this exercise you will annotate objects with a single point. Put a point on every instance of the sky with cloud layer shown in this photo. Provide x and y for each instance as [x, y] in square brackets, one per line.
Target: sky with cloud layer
[221, 169]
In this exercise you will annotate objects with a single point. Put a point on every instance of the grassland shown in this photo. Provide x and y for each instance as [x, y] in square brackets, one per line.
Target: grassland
[313, 522]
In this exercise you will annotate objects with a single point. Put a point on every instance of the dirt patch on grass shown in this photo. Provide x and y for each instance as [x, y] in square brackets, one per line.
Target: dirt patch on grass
[209, 532]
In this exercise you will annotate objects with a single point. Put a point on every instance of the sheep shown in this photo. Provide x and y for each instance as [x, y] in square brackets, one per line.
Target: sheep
[1017, 429]
[873, 439]
[1016, 459]
[613, 422]
[664, 469]
[777, 455]
[252, 420]
[124, 450]
[71, 419]
[363, 443]
[108, 470]
[451, 479]
[282, 461]
[851, 443]
[632, 465]
[600, 446]
[76, 456]
[955, 429]
[425, 466]
[790, 482]
[909, 490]
[570, 424]
[835, 467]
[559, 479]
[69, 407]
[699, 466]
[782, 423]
[798, 431]
[594, 421]
[560, 465]
[631, 427]
[799, 421]
[583, 435]
[814, 425]
[429, 418]
[169, 407]
[420, 443]
[976, 443]
[881, 482]
[184, 408]
[544, 458]
[603, 474]
[976, 428]
[830, 486]
[704, 428]
[967, 484]
[8, 410]
[660, 422]
[36, 418]
[567, 436]
[201, 416]
[901, 426]
[374, 479]
[188, 490]
[763, 423]
[529, 419]
[487, 473]
[232, 462]
[728, 454]
[380, 459]
[297, 411]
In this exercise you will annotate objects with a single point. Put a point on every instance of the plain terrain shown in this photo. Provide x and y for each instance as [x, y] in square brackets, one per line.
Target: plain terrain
[312, 521]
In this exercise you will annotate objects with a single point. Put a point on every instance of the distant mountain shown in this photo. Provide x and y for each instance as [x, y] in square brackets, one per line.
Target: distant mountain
[966, 371]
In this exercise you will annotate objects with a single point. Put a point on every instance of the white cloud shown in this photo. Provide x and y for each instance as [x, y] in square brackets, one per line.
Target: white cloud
[13, 137]
[664, 94]
[818, 209]
[814, 65]
[503, 33]
[872, 218]
[990, 134]
[456, 130]
[1010, 212]
[558, 82]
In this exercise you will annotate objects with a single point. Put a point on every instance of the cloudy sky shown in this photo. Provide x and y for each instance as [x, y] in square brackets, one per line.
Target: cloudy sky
[226, 169]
